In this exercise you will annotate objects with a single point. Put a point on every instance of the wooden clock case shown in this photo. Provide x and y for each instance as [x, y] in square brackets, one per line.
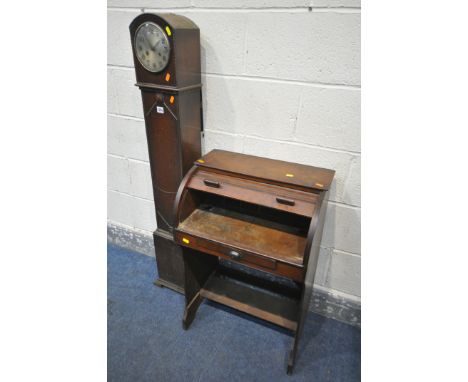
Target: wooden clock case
[173, 135]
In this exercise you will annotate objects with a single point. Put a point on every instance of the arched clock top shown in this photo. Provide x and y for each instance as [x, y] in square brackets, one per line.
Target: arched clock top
[166, 50]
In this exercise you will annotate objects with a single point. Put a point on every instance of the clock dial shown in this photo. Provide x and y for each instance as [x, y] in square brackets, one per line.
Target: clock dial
[152, 47]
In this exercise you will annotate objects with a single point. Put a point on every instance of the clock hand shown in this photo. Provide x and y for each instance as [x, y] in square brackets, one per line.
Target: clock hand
[155, 45]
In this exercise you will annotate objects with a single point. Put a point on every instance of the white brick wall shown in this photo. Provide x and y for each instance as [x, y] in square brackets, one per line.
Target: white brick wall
[281, 79]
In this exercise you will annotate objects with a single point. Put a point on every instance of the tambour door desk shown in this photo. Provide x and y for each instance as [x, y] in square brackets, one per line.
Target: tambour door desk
[250, 229]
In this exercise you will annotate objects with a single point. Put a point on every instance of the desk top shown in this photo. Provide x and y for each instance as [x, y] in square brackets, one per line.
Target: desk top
[268, 169]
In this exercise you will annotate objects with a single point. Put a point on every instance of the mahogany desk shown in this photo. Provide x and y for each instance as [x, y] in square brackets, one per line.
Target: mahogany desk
[250, 229]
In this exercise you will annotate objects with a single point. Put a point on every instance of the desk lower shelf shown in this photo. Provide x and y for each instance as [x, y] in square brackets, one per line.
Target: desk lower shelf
[231, 289]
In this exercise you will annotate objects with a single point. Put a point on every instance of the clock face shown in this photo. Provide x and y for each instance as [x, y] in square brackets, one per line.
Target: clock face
[152, 47]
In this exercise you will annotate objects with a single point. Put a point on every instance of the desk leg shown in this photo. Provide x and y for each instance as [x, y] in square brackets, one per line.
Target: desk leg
[315, 232]
[291, 361]
[190, 311]
[198, 267]
[302, 315]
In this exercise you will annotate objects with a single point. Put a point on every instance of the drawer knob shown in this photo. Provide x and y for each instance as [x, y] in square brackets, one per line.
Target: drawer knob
[235, 254]
[211, 183]
[288, 202]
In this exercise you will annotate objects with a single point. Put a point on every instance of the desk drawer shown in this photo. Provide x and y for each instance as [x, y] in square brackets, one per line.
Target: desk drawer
[273, 196]
[239, 255]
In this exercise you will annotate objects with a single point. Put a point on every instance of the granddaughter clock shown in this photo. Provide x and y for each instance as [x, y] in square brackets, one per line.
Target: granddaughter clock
[166, 53]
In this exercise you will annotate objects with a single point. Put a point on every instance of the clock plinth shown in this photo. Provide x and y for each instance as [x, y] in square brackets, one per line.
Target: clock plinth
[171, 93]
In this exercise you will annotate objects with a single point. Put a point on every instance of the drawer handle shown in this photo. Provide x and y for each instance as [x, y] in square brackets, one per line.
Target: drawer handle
[211, 183]
[235, 254]
[288, 202]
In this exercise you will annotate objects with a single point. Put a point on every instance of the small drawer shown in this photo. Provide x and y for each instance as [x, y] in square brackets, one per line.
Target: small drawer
[273, 196]
[226, 252]
[236, 254]
[239, 255]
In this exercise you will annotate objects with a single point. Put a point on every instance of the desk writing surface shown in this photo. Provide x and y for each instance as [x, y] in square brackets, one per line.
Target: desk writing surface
[226, 227]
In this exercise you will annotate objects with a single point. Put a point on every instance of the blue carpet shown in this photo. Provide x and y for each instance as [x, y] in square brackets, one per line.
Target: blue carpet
[146, 341]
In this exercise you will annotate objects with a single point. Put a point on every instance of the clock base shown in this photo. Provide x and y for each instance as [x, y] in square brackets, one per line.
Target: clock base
[166, 284]
[169, 262]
